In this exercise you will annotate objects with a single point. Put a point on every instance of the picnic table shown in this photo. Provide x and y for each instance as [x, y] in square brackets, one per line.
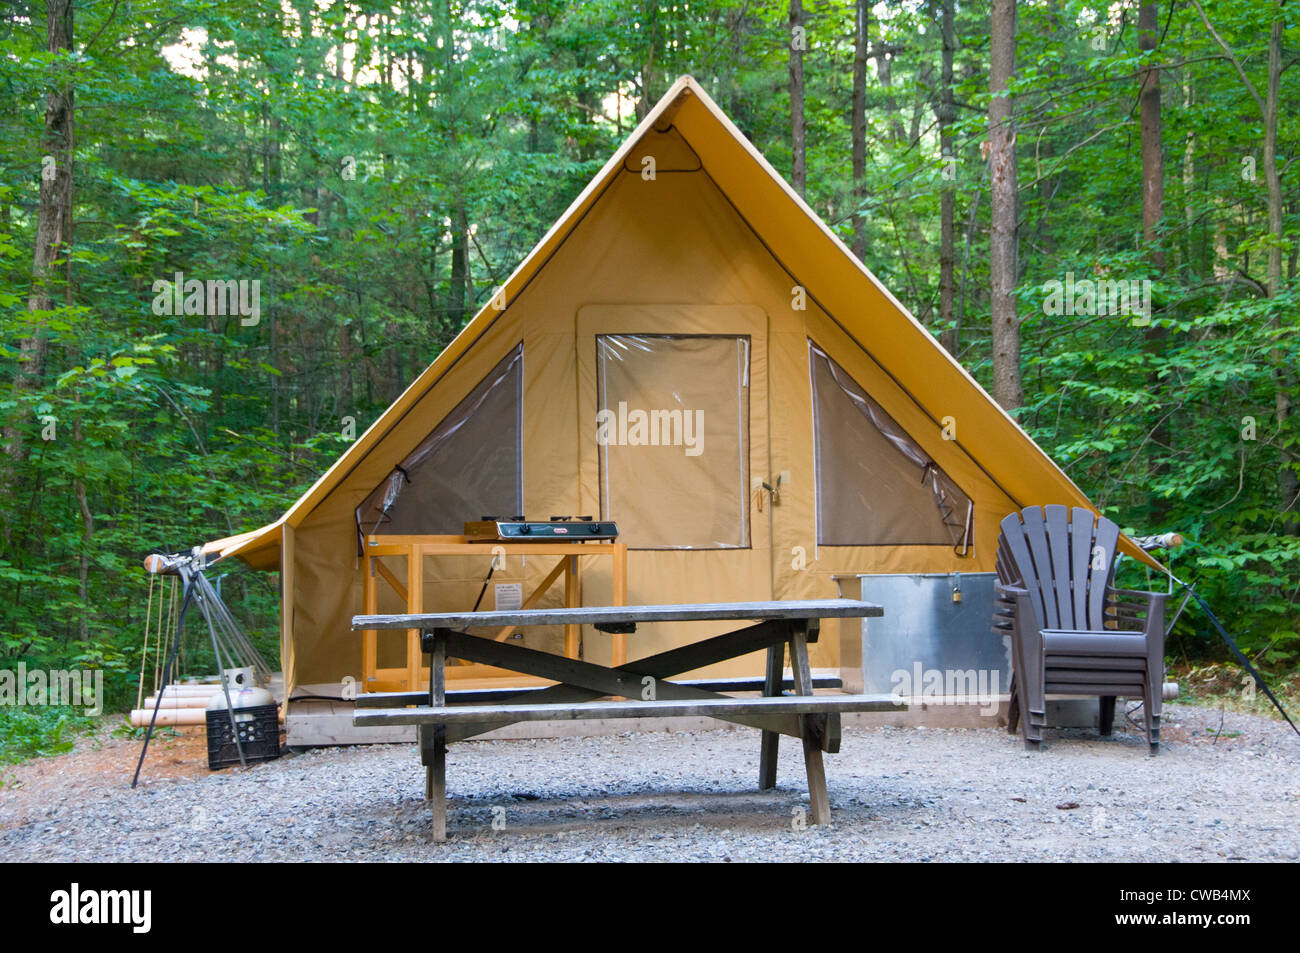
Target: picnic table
[442, 717]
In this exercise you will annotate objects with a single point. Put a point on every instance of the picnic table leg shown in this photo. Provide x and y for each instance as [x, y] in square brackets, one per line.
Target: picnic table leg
[435, 784]
[818, 798]
[771, 740]
[438, 783]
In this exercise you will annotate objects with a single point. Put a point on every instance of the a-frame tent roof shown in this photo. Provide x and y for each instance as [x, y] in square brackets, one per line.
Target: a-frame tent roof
[814, 258]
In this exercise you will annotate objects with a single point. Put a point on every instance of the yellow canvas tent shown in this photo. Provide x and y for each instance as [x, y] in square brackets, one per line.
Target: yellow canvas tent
[691, 352]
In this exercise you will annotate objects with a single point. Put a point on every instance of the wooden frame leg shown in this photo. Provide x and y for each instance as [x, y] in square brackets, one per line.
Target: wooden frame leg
[370, 637]
[771, 743]
[572, 599]
[414, 605]
[818, 797]
[619, 647]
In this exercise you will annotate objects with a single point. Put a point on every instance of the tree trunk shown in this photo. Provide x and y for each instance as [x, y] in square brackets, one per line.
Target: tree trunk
[924, 81]
[1288, 481]
[459, 268]
[1189, 176]
[1222, 262]
[273, 345]
[1153, 163]
[1272, 177]
[1007, 388]
[588, 106]
[858, 125]
[87, 531]
[885, 72]
[54, 212]
[1284, 376]
[948, 185]
[1153, 204]
[347, 362]
[650, 11]
[798, 42]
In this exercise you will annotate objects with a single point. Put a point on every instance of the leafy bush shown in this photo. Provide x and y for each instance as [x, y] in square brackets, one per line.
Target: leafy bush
[39, 731]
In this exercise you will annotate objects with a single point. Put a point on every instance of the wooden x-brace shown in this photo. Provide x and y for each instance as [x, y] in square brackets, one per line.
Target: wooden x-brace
[646, 679]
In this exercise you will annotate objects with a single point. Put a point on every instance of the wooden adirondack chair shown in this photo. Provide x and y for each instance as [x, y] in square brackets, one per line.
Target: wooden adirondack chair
[1072, 632]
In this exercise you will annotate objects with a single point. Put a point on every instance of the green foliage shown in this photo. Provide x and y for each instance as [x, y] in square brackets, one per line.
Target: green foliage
[38, 732]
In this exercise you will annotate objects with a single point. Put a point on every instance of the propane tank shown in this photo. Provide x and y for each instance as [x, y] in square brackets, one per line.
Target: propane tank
[244, 691]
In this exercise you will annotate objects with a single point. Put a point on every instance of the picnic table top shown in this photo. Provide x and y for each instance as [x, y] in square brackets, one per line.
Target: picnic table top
[686, 612]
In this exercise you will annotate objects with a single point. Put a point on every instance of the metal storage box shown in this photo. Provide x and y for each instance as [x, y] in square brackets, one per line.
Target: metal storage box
[924, 629]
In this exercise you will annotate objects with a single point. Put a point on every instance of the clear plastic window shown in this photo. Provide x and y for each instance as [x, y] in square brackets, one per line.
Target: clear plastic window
[672, 432]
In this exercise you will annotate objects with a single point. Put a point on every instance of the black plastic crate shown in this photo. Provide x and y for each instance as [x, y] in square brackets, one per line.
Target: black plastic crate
[259, 731]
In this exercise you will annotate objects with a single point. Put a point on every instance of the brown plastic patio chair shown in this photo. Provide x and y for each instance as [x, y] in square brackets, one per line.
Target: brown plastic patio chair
[1072, 632]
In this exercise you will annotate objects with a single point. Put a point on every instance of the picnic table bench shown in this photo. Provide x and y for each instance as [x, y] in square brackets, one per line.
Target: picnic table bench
[442, 718]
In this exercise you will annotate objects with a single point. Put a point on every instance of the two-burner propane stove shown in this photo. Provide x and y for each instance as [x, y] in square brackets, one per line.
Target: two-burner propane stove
[518, 529]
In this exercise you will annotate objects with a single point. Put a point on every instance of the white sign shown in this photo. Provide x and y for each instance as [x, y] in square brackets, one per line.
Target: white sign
[510, 596]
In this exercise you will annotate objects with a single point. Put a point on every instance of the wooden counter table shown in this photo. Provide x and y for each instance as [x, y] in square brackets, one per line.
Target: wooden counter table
[415, 549]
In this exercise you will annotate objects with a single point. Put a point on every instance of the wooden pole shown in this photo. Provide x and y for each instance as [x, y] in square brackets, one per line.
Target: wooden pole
[572, 599]
[144, 649]
[370, 637]
[414, 604]
[620, 599]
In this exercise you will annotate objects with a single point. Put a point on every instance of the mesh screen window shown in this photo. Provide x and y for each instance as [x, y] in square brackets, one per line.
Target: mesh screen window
[470, 465]
[875, 484]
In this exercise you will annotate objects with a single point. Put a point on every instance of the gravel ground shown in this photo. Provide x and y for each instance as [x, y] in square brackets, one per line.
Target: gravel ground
[897, 794]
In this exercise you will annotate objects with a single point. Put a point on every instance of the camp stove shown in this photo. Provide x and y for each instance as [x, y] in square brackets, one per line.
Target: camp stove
[518, 529]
